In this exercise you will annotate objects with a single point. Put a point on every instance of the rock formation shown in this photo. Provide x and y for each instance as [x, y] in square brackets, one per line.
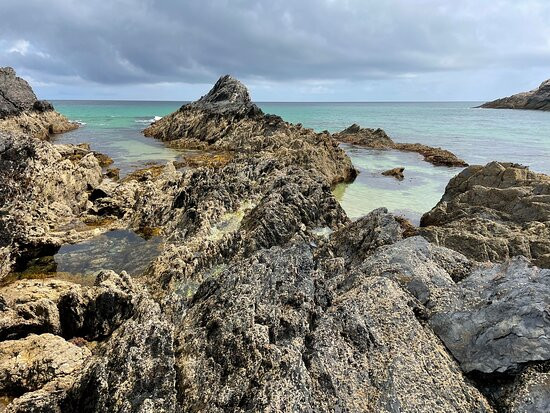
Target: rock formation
[378, 139]
[226, 120]
[265, 297]
[397, 173]
[20, 111]
[537, 99]
[493, 212]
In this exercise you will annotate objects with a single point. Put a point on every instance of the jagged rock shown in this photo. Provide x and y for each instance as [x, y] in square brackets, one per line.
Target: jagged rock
[20, 111]
[42, 106]
[133, 370]
[372, 138]
[529, 392]
[537, 99]
[269, 334]
[16, 95]
[397, 173]
[358, 240]
[226, 120]
[378, 139]
[493, 212]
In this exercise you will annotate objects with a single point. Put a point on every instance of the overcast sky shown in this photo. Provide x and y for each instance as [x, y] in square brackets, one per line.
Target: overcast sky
[284, 50]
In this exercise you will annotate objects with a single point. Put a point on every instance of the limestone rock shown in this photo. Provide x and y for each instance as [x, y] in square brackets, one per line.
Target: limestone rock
[270, 334]
[493, 212]
[30, 363]
[537, 99]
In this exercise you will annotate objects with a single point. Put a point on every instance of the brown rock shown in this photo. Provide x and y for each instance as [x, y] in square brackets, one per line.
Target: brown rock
[225, 120]
[397, 173]
[378, 139]
[493, 212]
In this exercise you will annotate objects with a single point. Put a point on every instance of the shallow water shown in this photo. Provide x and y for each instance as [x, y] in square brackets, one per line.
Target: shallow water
[118, 250]
[417, 193]
[114, 128]
[476, 135]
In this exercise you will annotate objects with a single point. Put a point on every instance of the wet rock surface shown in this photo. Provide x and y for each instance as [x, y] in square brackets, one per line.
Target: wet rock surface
[264, 295]
[537, 99]
[493, 212]
[378, 139]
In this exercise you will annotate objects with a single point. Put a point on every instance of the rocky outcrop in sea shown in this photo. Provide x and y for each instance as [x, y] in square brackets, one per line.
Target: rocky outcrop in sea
[21, 111]
[378, 139]
[537, 99]
[264, 296]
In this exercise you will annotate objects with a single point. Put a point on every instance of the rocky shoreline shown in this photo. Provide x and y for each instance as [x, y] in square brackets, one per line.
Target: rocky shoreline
[265, 296]
[537, 99]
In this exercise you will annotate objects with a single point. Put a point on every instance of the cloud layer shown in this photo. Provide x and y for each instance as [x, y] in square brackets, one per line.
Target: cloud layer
[321, 45]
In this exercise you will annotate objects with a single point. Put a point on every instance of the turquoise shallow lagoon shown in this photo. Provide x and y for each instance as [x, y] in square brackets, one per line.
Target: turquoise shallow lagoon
[476, 135]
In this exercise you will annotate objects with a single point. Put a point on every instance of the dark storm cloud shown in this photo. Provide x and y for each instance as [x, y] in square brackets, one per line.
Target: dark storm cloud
[147, 41]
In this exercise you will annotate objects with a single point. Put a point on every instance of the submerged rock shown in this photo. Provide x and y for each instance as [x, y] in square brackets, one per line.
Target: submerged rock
[378, 139]
[493, 212]
[537, 99]
[20, 111]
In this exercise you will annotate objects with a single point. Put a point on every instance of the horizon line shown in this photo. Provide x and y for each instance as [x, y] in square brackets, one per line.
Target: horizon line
[275, 101]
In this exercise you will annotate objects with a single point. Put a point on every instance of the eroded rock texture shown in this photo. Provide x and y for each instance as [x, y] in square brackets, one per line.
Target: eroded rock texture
[493, 212]
[265, 297]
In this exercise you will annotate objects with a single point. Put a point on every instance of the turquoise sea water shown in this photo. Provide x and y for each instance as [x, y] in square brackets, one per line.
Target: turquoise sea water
[476, 135]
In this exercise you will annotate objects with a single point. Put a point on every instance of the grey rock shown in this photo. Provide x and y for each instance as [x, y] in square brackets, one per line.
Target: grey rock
[268, 334]
[16, 95]
[537, 99]
[498, 320]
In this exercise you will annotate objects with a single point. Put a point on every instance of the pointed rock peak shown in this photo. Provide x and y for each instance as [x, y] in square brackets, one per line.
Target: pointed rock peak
[227, 89]
[227, 97]
[16, 95]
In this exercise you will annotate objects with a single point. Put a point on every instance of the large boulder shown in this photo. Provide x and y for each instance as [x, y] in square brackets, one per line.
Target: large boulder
[494, 212]
[537, 99]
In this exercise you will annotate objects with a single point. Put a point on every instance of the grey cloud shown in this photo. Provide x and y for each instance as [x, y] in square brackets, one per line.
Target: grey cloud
[148, 41]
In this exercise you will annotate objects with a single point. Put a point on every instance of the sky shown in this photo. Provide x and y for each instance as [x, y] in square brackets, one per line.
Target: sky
[283, 50]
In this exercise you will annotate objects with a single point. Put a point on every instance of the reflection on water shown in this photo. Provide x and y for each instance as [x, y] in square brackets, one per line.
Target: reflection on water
[421, 189]
[118, 250]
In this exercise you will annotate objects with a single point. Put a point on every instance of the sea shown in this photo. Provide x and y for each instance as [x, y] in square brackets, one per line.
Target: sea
[476, 135]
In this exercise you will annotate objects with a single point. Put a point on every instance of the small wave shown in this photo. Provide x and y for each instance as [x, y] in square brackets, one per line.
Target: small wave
[79, 122]
[148, 120]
